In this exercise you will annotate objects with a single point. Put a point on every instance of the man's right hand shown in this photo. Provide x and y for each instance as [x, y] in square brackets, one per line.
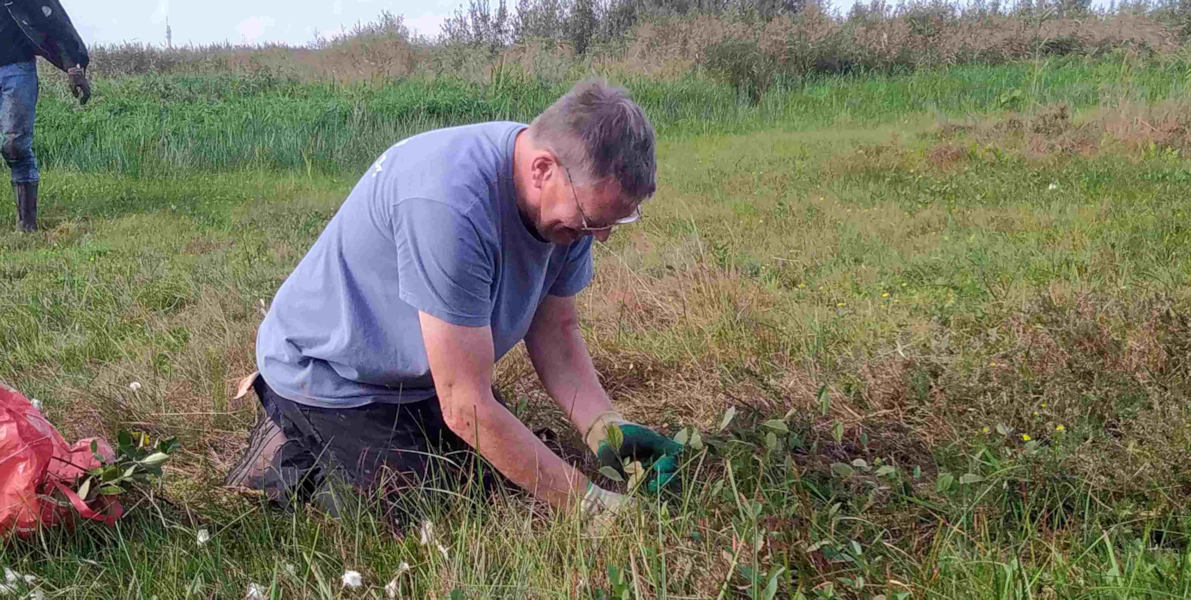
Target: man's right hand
[79, 86]
[657, 452]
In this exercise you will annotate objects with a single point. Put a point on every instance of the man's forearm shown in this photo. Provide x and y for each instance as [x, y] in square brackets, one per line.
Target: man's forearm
[565, 368]
[511, 447]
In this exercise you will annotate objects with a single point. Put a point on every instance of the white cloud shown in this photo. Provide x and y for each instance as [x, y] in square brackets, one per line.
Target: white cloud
[252, 29]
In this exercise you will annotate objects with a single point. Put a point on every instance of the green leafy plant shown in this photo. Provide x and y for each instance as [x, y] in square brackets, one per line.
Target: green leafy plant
[138, 461]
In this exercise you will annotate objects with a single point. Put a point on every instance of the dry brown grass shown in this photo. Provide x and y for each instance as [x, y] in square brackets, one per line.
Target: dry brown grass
[1128, 129]
[666, 47]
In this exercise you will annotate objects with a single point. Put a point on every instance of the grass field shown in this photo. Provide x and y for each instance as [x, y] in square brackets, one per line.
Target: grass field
[932, 330]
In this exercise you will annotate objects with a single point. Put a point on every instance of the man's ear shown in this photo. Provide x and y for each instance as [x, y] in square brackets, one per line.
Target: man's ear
[541, 168]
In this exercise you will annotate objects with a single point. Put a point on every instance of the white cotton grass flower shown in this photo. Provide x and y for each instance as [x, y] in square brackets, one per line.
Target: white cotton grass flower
[1052, 187]
[255, 592]
[36, 403]
[11, 577]
[426, 532]
[352, 579]
[442, 549]
[134, 386]
[203, 537]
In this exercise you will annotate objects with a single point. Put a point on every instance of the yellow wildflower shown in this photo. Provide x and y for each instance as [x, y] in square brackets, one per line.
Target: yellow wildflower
[1060, 428]
[1025, 437]
[985, 430]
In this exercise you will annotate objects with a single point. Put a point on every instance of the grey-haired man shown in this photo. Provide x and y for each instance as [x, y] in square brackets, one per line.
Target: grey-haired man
[378, 350]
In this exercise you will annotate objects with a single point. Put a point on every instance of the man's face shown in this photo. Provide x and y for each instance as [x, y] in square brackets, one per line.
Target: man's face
[569, 212]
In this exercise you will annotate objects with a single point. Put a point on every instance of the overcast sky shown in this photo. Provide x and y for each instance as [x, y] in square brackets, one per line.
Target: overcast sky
[253, 21]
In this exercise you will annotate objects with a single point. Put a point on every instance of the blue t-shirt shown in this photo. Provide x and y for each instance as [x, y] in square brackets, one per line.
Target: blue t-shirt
[432, 226]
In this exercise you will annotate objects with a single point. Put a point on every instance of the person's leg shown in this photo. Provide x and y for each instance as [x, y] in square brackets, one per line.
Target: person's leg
[18, 105]
[306, 454]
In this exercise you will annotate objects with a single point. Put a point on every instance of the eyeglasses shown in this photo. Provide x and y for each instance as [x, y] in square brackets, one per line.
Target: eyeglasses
[633, 218]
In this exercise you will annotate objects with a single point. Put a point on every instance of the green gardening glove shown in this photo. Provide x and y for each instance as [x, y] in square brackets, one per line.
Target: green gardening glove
[655, 452]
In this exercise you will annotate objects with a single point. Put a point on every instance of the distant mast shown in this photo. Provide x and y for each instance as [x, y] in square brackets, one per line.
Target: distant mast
[169, 34]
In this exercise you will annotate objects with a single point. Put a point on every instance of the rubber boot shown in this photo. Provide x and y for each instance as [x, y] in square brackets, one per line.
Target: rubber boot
[26, 205]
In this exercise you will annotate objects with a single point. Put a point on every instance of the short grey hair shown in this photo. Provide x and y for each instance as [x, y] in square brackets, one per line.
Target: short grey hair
[599, 133]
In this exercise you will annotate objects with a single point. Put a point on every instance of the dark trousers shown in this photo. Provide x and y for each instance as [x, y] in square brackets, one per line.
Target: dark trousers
[391, 446]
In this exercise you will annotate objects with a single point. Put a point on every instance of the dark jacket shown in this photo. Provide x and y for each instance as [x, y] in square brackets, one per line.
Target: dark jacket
[46, 24]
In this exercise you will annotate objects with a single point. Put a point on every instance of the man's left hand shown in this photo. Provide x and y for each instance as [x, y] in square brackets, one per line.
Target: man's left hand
[656, 452]
[79, 86]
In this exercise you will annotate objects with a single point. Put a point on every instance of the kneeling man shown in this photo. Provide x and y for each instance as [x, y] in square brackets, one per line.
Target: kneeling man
[377, 352]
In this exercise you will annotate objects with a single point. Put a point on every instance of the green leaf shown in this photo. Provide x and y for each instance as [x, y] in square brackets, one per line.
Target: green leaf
[683, 435]
[749, 573]
[85, 489]
[842, 470]
[771, 441]
[124, 441]
[943, 483]
[860, 463]
[615, 437]
[967, 478]
[1004, 429]
[696, 440]
[777, 425]
[168, 445]
[611, 473]
[728, 416]
[128, 472]
[837, 431]
[771, 588]
[111, 490]
[717, 488]
[886, 470]
[824, 400]
[159, 457]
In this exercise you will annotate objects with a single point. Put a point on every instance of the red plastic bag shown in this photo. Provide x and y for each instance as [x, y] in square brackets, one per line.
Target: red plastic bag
[36, 464]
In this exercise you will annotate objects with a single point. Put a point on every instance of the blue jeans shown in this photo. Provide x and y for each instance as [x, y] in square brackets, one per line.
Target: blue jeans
[18, 105]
